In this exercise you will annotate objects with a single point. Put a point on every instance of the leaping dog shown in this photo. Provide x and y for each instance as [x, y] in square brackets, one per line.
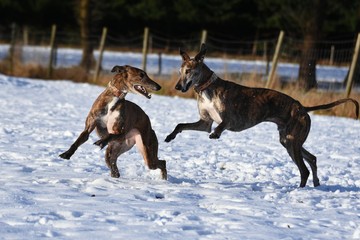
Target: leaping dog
[112, 115]
[235, 107]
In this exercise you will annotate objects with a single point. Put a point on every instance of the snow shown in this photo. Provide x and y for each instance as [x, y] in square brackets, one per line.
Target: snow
[242, 186]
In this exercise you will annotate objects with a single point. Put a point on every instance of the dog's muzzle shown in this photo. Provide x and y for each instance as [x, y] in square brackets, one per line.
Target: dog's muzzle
[178, 87]
[182, 88]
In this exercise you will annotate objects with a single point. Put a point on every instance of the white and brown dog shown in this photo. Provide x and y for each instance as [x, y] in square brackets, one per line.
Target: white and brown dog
[121, 123]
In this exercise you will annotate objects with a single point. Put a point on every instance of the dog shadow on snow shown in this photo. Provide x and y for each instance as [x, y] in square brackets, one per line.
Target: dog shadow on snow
[262, 186]
[337, 188]
[176, 180]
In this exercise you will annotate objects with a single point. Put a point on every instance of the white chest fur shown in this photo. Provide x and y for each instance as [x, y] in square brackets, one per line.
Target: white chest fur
[109, 119]
[210, 107]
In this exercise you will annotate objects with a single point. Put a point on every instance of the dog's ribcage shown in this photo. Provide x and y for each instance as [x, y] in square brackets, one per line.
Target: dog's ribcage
[210, 106]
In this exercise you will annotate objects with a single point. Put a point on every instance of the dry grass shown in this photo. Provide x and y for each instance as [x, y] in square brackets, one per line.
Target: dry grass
[312, 98]
[36, 71]
[168, 83]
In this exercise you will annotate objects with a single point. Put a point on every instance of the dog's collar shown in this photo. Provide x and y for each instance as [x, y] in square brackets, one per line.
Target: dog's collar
[203, 86]
[116, 92]
[122, 95]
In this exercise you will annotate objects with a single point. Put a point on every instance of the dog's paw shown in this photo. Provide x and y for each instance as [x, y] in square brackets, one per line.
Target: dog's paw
[101, 143]
[169, 138]
[164, 175]
[65, 155]
[114, 174]
[214, 136]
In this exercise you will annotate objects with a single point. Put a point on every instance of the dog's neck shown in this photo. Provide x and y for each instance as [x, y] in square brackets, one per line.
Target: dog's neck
[116, 92]
[207, 83]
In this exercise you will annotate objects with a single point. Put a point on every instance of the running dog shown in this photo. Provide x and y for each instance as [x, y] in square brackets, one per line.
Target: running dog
[111, 115]
[235, 107]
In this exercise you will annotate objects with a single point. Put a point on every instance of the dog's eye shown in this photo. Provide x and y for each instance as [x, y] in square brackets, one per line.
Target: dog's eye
[142, 75]
[187, 71]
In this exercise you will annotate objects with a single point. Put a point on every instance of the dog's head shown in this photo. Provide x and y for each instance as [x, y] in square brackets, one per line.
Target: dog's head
[131, 79]
[191, 70]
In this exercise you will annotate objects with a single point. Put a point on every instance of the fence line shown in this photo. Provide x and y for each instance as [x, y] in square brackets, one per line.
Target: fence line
[339, 51]
[332, 53]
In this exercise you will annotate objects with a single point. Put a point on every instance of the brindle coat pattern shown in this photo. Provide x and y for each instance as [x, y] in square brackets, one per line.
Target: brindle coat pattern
[111, 115]
[235, 107]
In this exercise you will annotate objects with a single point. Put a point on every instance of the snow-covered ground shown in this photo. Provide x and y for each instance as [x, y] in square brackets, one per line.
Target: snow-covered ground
[242, 186]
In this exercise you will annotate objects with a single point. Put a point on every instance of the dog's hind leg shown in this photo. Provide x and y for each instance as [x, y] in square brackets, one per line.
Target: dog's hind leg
[294, 151]
[292, 138]
[160, 164]
[149, 149]
[113, 151]
[311, 159]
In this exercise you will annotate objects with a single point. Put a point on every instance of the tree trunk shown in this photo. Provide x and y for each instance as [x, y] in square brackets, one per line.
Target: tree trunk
[307, 68]
[311, 25]
[87, 60]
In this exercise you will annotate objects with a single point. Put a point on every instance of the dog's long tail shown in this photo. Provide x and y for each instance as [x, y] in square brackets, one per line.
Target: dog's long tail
[333, 104]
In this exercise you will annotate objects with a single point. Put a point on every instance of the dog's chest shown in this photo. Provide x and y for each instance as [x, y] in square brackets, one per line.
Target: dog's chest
[211, 106]
[111, 116]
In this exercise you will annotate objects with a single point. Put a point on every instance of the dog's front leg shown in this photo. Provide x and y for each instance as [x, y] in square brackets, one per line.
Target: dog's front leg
[84, 136]
[218, 131]
[200, 125]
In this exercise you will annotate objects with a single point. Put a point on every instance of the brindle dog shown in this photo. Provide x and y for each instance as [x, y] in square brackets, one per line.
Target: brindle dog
[112, 115]
[235, 107]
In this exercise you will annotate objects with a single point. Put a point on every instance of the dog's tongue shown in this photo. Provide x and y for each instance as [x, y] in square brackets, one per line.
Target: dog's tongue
[142, 91]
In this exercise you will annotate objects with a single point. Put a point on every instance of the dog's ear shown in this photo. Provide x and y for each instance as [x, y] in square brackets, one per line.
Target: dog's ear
[184, 55]
[201, 55]
[118, 69]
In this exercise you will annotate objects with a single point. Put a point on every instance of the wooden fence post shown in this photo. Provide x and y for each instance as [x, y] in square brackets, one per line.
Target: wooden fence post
[160, 63]
[332, 53]
[352, 66]
[145, 47]
[266, 58]
[12, 48]
[270, 79]
[101, 52]
[51, 57]
[25, 36]
[203, 37]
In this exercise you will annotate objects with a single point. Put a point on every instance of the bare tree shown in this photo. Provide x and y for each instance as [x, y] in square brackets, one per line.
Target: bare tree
[308, 16]
[84, 19]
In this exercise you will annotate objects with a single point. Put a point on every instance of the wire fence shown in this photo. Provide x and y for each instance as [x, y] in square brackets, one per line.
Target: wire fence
[333, 57]
[330, 52]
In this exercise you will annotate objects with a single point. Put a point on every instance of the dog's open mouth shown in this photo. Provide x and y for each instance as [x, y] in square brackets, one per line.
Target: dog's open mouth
[140, 89]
